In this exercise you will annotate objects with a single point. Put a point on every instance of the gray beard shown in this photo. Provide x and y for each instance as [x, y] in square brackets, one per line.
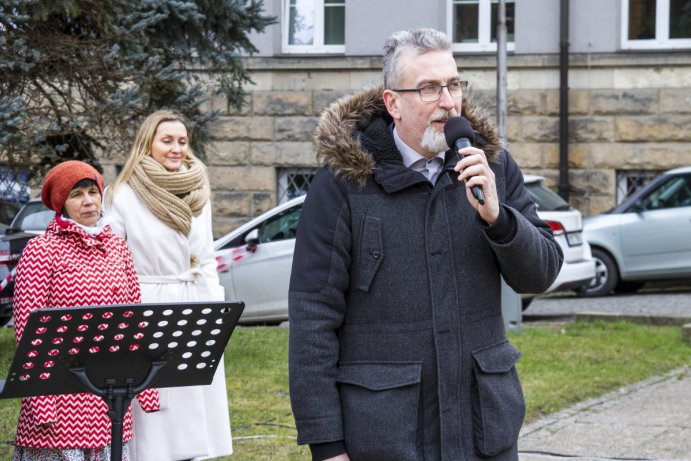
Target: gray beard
[433, 140]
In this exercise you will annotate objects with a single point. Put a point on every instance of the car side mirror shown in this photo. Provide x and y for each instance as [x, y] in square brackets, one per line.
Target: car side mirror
[252, 240]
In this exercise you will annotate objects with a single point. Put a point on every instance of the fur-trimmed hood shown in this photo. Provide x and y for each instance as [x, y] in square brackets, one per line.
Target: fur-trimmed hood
[337, 137]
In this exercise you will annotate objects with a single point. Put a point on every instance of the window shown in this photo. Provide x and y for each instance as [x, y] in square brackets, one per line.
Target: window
[283, 226]
[314, 26]
[673, 193]
[14, 186]
[34, 216]
[656, 24]
[8, 210]
[293, 182]
[473, 24]
[544, 198]
[630, 181]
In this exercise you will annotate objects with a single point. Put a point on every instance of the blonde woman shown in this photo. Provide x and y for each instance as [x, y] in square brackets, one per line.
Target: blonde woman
[160, 204]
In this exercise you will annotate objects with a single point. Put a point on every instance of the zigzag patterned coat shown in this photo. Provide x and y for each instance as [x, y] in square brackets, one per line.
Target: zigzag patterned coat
[68, 267]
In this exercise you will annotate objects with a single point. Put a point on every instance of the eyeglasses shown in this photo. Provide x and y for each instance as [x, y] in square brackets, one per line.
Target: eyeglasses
[432, 93]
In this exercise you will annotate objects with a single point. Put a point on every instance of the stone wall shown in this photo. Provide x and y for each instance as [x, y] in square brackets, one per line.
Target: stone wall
[610, 130]
[626, 112]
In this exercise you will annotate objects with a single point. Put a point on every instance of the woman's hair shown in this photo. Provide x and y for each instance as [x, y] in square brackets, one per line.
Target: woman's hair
[85, 183]
[142, 146]
[419, 40]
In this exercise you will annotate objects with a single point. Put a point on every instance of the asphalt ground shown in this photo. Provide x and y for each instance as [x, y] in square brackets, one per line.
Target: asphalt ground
[658, 301]
[650, 420]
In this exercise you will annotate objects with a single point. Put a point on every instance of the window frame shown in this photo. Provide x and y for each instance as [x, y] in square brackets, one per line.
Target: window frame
[661, 40]
[286, 179]
[318, 47]
[484, 43]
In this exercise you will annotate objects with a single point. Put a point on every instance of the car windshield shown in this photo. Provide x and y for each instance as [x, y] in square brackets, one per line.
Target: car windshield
[281, 226]
[33, 216]
[545, 199]
[673, 193]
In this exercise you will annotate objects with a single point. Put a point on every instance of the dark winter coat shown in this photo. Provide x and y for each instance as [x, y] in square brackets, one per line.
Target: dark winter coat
[397, 344]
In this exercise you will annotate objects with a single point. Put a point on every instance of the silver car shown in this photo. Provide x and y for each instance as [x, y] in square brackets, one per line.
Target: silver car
[647, 237]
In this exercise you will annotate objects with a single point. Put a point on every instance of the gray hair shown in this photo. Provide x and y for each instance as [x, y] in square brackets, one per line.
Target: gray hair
[420, 40]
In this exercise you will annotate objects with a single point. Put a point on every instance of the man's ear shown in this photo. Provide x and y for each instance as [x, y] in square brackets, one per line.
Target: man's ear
[391, 101]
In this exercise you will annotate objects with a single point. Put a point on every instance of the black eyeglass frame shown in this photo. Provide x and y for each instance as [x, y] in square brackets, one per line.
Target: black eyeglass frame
[463, 85]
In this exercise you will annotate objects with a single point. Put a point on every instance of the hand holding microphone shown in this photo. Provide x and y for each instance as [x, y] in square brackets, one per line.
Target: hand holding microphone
[459, 134]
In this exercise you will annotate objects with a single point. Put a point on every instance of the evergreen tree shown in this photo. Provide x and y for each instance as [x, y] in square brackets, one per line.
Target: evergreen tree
[77, 76]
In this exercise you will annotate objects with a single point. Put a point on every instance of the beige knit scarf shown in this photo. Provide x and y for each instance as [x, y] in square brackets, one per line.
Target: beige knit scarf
[173, 197]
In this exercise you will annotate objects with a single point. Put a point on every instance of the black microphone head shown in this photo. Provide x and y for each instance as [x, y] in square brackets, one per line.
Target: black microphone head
[456, 128]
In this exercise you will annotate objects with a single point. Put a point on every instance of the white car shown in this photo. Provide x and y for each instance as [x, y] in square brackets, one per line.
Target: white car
[578, 269]
[254, 260]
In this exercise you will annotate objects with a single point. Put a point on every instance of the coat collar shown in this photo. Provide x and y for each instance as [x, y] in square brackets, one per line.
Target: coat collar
[353, 139]
[70, 230]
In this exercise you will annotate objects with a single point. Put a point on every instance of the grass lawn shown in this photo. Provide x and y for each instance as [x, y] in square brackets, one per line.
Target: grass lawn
[562, 364]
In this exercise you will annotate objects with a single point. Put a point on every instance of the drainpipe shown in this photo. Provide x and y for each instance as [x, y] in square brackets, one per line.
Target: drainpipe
[501, 72]
[564, 101]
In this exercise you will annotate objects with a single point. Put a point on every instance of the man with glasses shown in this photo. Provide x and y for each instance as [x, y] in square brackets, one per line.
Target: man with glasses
[397, 343]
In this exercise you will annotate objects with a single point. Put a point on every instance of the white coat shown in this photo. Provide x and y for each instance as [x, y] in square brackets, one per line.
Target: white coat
[193, 421]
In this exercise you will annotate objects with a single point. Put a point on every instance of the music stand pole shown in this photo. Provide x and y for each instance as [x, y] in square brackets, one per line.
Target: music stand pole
[118, 399]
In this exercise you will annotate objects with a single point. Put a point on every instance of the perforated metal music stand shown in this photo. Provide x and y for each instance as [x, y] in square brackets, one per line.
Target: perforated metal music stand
[117, 351]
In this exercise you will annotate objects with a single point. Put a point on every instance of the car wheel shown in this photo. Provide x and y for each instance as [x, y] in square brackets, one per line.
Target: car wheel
[606, 275]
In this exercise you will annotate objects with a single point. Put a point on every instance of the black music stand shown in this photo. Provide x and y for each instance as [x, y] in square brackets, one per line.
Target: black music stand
[117, 351]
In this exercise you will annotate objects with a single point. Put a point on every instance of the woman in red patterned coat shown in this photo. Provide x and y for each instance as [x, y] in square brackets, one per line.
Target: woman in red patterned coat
[77, 262]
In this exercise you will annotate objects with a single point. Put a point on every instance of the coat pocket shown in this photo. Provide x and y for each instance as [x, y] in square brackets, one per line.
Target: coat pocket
[370, 252]
[380, 403]
[498, 402]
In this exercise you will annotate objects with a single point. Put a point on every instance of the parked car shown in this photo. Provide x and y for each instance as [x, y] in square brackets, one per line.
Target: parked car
[646, 237]
[11, 247]
[566, 223]
[30, 220]
[254, 260]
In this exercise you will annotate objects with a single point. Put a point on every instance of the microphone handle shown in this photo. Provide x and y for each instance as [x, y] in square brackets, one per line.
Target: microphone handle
[462, 143]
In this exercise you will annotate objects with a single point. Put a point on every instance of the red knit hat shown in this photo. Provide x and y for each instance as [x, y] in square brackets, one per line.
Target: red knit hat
[60, 180]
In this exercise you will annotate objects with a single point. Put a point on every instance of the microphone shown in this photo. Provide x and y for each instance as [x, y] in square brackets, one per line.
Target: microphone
[459, 134]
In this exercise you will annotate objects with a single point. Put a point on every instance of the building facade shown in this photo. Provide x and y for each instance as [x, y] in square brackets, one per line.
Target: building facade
[629, 90]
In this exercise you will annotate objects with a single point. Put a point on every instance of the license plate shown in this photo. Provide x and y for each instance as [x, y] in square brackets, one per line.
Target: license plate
[574, 238]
